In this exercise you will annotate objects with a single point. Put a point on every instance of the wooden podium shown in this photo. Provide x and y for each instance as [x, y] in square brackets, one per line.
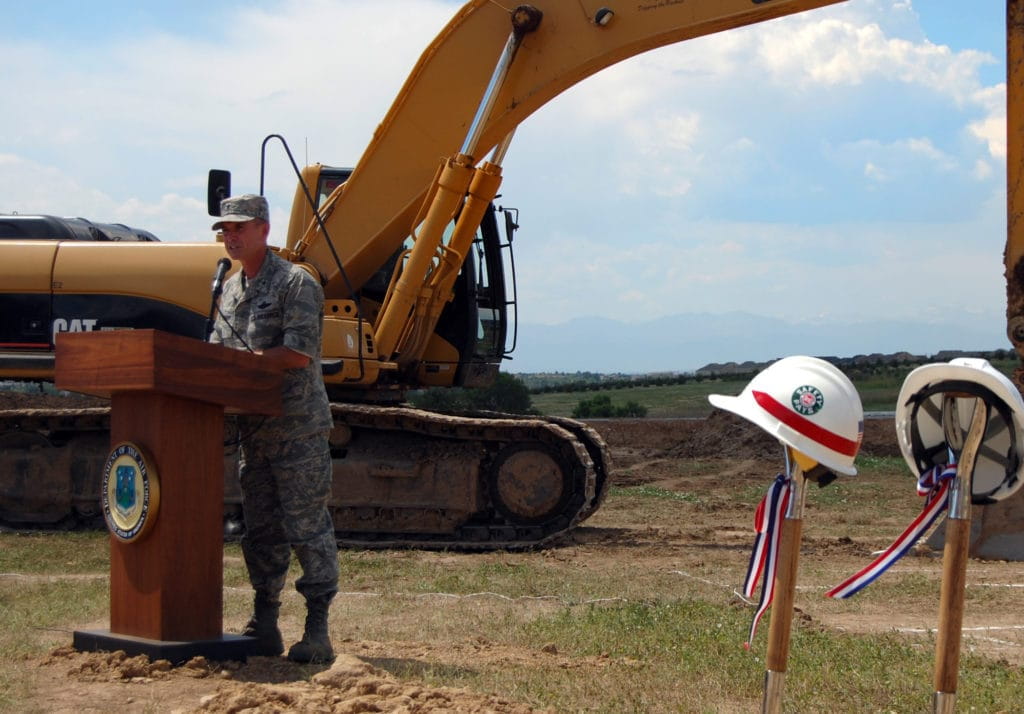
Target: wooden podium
[168, 395]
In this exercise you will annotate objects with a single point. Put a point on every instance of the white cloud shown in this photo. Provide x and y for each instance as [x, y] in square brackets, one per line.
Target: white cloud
[30, 187]
[874, 173]
[139, 118]
[850, 51]
[992, 131]
[40, 188]
[768, 269]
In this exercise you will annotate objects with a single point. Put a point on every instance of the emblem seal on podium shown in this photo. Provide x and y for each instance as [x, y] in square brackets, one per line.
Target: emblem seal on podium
[131, 492]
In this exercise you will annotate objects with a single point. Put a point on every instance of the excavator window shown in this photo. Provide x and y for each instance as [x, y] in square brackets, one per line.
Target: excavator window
[492, 280]
[327, 186]
[330, 178]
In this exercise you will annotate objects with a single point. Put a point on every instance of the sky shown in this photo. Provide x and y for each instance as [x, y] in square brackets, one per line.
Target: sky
[844, 164]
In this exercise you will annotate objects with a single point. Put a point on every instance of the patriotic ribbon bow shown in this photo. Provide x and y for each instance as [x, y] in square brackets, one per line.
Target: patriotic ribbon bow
[933, 484]
[764, 558]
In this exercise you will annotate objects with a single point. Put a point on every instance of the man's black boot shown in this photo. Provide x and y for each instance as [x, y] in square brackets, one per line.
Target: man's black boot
[315, 646]
[263, 626]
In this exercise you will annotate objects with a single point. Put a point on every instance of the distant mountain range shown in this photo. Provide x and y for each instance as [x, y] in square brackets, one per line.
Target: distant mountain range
[686, 342]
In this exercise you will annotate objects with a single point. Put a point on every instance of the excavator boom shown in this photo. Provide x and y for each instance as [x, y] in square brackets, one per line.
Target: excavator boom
[433, 113]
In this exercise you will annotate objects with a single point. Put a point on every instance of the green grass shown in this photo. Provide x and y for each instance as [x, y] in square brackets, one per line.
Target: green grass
[39, 612]
[54, 552]
[49, 607]
[654, 492]
[675, 400]
[667, 640]
[891, 465]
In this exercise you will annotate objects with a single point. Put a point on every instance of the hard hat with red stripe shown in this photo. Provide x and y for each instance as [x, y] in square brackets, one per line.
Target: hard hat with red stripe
[807, 404]
[919, 429]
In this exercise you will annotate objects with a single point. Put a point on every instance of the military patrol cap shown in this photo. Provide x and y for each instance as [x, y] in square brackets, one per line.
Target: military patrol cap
[239, 209]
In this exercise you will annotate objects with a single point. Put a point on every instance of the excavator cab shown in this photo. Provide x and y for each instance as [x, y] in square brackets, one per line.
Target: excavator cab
[479, 322]
[476, 329]
[472, 335]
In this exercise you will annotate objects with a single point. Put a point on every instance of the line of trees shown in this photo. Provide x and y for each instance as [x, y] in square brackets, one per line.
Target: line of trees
[649, 380]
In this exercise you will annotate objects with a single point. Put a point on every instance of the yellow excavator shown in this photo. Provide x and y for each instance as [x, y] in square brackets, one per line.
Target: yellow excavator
[415, 260]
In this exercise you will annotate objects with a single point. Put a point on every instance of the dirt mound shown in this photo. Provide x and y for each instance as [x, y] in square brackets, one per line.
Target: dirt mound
[721, 435]
[725, 434]
[349, 685]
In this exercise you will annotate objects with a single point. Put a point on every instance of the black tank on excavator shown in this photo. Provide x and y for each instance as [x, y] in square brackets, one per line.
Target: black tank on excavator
[17, 227]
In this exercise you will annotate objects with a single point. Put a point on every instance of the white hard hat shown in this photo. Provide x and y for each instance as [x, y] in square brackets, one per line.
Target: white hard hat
[808, 404]
[997, 470]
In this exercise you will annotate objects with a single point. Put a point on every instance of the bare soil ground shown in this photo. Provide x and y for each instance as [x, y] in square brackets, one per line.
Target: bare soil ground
[703, 544]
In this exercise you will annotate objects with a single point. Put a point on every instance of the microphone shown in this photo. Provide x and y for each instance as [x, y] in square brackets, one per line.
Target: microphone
[223, 265]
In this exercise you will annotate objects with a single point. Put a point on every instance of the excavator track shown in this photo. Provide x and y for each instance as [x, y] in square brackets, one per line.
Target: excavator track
[599, 454]
[403, 477]
[50, 462]
[492, 481]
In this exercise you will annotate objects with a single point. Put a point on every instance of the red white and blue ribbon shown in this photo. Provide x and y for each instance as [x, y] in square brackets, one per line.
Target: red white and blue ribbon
[764, 558]
[934, 486]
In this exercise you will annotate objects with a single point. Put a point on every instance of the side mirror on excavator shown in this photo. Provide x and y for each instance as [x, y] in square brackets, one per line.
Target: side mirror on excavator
[510, 222]
[218, 187]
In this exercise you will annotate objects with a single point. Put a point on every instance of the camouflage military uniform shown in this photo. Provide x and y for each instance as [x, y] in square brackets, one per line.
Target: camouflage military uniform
[285, 464]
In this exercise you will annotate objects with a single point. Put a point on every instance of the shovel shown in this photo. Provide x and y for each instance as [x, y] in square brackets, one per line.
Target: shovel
[964, 450]
[785, 589]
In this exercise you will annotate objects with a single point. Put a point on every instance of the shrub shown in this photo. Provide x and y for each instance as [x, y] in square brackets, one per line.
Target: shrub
[507, 394]
[601, 407]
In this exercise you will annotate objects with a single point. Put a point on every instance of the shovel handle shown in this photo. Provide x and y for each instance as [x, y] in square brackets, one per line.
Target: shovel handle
[785, 590]
[951, 604]
[956, 551]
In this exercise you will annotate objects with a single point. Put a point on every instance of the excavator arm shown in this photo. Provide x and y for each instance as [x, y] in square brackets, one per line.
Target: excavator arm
[434, 112]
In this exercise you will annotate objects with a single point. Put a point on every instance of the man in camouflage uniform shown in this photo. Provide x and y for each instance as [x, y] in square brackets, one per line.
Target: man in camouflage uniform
[272, 307]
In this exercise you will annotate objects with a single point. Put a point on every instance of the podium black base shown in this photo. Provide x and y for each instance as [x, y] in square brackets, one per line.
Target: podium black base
[226, 647]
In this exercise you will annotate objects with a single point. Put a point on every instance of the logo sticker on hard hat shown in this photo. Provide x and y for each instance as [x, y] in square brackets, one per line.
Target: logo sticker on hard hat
[807, 400]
